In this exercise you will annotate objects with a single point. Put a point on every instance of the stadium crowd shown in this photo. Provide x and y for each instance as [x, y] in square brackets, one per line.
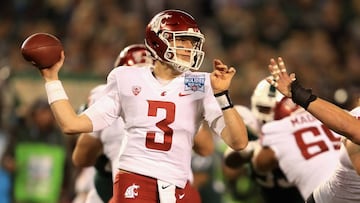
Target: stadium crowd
[322, 34]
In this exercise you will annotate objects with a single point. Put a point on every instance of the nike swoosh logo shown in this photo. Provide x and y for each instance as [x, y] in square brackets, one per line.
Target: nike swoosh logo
[165, 186]
[183, 95]
[181, 196]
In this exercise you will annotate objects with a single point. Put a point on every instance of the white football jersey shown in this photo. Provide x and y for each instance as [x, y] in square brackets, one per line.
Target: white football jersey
[344, 185]
[160, 120]
[112, 138]
[305, 149]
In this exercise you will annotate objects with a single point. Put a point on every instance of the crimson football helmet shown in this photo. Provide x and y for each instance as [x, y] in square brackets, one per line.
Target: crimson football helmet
[167, 26]
[132, 55]
[263, 101]
[284, 108]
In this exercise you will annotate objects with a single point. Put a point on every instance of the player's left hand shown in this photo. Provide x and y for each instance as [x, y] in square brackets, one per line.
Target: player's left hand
[279, 77]
[221, 76]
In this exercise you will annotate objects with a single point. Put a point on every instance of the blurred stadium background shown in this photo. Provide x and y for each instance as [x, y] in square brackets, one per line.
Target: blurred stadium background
[319, 40]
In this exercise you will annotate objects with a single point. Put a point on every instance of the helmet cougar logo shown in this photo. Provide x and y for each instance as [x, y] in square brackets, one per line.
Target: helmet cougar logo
[135, 54]
[156, 23]
[131, 191]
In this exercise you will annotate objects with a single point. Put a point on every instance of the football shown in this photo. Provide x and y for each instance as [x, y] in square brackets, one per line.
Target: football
[42, 49]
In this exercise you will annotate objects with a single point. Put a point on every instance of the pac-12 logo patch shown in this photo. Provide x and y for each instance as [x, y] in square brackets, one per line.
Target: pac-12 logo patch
[194, 82]
[136, 90]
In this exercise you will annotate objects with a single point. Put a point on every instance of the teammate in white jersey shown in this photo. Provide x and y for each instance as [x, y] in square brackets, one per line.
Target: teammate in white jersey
[273, 185]
[303, 147]
[331, 115]
[162, 107]
[343, 186]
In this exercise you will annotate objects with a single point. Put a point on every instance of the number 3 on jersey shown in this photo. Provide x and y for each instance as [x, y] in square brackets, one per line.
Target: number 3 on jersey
[163, 125]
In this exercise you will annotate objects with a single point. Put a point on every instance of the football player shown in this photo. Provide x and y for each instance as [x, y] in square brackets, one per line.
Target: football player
[300, 145]
[274, 186]
[162, 107]
[100, 148]
[344, 184]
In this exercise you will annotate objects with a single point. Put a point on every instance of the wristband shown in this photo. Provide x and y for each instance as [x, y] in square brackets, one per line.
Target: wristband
[55, 91]
[224, 100]
[300, 95]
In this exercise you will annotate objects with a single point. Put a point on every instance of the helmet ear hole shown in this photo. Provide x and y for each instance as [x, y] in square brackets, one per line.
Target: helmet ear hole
[154, 44]
[167, 36]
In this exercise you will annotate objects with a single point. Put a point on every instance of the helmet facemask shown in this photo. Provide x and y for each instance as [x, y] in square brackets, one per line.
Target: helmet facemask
[171, 55]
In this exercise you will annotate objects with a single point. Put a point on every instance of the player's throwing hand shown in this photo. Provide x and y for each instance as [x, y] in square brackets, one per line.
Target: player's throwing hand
[51, 73]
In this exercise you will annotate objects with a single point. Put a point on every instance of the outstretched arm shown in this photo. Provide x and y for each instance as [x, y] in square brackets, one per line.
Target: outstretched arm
[66, 117]
[331, 115]
[234, 134]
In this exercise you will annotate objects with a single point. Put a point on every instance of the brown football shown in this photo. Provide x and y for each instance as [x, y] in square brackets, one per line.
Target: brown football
[42, 49]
